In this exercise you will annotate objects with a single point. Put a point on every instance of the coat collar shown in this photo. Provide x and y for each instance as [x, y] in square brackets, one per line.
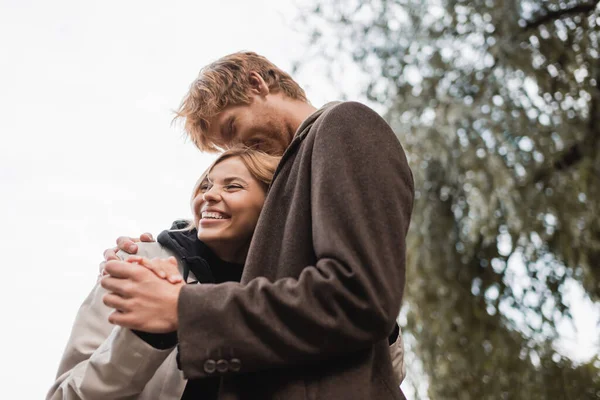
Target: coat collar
[305, 126]
[301, 133]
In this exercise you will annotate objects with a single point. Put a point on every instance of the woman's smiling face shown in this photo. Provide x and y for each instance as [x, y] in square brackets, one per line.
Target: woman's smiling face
[226, 208]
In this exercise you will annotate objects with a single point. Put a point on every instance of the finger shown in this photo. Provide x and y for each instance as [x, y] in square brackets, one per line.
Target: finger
[155, 267]
[127, 244]
[110, 254]
[119, 287]
[102, 269]
[147, 237]
[176, 278]
[172, 260]
[168, 266]
[117, 302]
[134, 259]
[122, 319]
[121, 269]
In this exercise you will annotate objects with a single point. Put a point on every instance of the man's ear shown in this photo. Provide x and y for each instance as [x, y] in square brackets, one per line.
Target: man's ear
[258, 86]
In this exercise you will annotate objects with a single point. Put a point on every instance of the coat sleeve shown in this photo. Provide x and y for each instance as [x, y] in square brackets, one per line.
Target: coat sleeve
[361, 201]
[102, 361]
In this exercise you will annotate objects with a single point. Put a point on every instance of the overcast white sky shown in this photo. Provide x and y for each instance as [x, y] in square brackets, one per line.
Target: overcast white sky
[87, 150]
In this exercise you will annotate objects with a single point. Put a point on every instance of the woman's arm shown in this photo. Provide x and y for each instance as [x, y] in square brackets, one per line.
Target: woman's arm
[102, 361]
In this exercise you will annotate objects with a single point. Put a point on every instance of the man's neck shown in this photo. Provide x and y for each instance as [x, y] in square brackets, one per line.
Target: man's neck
[298, 111]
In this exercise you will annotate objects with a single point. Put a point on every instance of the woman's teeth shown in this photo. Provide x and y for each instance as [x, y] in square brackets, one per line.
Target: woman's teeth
[212, 215]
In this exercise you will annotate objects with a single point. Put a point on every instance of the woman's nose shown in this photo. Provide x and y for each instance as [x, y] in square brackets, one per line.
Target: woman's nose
[211, 195]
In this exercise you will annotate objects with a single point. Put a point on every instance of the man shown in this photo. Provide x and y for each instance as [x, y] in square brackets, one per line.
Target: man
[324, 277]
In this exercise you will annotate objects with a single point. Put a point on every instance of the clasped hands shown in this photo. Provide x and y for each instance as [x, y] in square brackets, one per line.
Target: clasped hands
[144, 292]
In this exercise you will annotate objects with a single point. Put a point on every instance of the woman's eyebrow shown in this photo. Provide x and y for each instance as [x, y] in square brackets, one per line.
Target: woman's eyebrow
[230, 179]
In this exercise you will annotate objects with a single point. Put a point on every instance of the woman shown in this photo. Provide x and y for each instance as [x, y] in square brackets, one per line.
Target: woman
[102, 361]
[98, 361]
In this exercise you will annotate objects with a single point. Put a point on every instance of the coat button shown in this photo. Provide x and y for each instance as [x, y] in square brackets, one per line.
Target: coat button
[222, 366]
[235, 364]
[210, 366]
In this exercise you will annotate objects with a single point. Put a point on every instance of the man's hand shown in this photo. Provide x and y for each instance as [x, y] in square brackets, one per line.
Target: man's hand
[127, 244]
[141, 300]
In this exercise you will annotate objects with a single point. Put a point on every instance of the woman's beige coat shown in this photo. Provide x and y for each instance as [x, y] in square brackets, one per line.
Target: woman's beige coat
[103, 361]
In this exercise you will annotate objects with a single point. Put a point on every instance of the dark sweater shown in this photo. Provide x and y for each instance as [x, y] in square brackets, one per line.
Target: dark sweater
[197, 258]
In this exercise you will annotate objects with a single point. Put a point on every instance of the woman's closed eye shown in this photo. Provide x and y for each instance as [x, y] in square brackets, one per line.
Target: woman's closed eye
[233, 186]
[205, 187]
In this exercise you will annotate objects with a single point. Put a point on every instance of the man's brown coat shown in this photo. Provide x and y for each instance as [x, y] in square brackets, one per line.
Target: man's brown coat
[324, 277]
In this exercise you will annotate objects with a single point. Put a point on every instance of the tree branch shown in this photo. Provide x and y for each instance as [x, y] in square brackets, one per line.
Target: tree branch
[569, 157]
[554, 15]
[578, 151]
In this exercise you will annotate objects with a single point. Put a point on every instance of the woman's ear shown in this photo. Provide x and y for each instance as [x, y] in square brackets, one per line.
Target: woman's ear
[258, 86]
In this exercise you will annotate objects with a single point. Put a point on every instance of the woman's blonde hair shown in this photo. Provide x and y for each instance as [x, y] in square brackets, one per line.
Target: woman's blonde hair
[261, 166]
[226, 82]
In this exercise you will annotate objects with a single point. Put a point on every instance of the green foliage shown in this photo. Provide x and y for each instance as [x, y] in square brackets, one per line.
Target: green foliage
[498, 106]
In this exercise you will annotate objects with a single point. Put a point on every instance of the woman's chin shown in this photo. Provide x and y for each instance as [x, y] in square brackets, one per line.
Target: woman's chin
[210, 235]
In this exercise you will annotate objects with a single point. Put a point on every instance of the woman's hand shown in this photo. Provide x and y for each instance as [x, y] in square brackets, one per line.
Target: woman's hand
[165, 268]
[126, 244]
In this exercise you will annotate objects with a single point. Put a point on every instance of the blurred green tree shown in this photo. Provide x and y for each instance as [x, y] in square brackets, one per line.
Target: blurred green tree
[498, 105]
